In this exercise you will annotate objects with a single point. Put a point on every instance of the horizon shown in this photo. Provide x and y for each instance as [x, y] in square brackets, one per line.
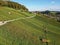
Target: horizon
[40, 5]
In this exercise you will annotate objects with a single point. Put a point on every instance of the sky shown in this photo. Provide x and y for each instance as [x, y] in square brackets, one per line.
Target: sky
[40, 5]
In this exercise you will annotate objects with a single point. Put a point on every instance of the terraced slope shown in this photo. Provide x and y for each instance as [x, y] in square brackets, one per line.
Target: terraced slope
[9, 14]
[27, 31]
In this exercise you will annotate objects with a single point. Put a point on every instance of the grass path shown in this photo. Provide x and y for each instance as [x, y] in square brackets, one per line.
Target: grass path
[4, 22]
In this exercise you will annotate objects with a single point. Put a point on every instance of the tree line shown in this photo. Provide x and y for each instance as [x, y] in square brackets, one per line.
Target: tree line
[50, 14]
[14, 5]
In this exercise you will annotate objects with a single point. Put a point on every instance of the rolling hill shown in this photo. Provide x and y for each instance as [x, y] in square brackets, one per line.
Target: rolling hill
[27, 31]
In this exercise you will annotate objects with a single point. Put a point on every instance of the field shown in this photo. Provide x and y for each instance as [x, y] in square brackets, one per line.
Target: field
[27, 31]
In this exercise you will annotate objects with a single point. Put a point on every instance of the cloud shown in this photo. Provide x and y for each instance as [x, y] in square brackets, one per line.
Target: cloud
[53, 8]
[52, 2]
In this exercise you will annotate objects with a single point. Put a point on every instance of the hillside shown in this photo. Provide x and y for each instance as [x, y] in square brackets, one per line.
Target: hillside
[27, 31]
[14, 5]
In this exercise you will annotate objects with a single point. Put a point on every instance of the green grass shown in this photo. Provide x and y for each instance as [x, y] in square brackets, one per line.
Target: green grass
[4, 13]
[27, 31]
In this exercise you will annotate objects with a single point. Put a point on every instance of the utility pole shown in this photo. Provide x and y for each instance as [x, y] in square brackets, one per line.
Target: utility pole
[45, 31]
[54, 42]
[45, 34]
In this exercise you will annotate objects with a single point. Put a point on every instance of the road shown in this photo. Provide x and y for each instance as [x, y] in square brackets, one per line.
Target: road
[5, 22]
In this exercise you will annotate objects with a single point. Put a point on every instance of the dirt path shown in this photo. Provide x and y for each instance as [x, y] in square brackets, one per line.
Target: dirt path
[2, 23]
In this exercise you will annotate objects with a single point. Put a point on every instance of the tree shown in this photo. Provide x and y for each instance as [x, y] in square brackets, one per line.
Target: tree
[58, 16]
[14, 5]
[5, 0]
[47, 12]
